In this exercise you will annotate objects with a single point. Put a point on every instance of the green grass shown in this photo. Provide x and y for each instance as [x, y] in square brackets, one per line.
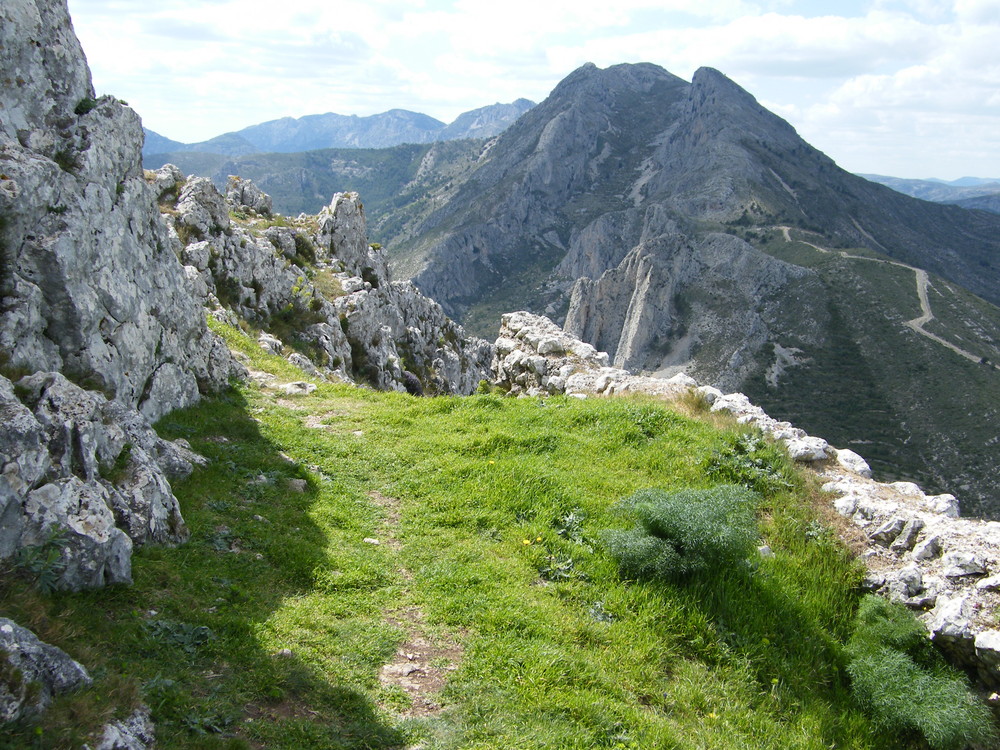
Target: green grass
[270, 626]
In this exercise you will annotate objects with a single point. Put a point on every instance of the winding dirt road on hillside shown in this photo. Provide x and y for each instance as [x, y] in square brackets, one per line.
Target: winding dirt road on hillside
[918, 323]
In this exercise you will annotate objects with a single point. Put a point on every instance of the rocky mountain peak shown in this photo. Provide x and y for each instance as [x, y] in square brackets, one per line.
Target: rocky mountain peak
[607, 85]
[725, 107]
[707, 82]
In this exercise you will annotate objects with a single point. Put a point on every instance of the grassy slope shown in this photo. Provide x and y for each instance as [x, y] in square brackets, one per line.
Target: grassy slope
[487, 513]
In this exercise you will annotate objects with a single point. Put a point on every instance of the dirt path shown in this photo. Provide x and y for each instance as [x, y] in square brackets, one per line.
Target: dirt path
[922, 280]
[427, 657]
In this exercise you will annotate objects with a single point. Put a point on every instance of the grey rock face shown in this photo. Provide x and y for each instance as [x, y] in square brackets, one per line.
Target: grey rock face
[32, 672]
[675, 304]
[87, 472]
[315, 284]
[90, 286]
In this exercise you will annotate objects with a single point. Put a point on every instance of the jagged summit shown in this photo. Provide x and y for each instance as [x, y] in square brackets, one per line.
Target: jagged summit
[591, 79]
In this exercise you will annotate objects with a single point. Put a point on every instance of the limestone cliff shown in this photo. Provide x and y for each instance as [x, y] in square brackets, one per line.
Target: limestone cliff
[90, 285]
[98, 333]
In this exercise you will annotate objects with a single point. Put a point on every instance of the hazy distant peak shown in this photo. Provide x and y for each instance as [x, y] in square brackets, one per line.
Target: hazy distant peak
[331, 130]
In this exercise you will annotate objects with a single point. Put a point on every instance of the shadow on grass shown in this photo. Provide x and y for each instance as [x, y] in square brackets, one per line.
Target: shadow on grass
[798, 663]
[191, 634]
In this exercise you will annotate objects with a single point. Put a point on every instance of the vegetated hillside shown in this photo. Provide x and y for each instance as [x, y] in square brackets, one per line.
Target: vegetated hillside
[650, 213]
[914, 407]
[370, 570]
[400, 185]
[989, 203]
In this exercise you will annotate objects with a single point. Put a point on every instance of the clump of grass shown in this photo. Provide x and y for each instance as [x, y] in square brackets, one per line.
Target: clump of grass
[686, 532]
[750, 461]
[67, 159]
[42, 565]
[85, 105]
[898, 676]
[327, 284]
[305, 251]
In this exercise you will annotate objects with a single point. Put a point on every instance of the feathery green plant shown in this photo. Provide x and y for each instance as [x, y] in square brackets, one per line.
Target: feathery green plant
[686, 532]
[903, 681]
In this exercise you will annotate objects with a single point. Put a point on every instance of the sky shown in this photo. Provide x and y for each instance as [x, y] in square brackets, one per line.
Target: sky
[908, 88]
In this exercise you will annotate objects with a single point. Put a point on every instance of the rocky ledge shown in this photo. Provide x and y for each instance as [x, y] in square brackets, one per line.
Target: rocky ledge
[915, 546]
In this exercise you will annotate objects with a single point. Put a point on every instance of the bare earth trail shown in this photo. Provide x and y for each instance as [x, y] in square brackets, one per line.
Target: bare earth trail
[918, 323]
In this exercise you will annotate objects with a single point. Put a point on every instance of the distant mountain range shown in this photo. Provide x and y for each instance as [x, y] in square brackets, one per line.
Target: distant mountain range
[967, 192]
[397, 126]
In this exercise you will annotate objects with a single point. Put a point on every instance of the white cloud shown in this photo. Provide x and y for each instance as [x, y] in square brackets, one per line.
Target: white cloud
[906, 85]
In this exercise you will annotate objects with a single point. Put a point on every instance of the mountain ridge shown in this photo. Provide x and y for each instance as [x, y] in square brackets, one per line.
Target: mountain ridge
[968, 192]
[330, 130]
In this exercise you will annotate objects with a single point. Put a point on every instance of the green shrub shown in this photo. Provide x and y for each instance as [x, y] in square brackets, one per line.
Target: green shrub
[85, 105]
[42, 565]
[66, 160]
[752, 462]
[905, 684]
[685, 533]
[305, 250]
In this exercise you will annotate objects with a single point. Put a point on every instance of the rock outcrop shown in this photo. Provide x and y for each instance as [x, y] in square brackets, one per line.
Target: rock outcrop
[320, 292]
[535, 357]
[33, 672]
[85, 475]
[661, 303]
[918, 551]
[99, 335]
